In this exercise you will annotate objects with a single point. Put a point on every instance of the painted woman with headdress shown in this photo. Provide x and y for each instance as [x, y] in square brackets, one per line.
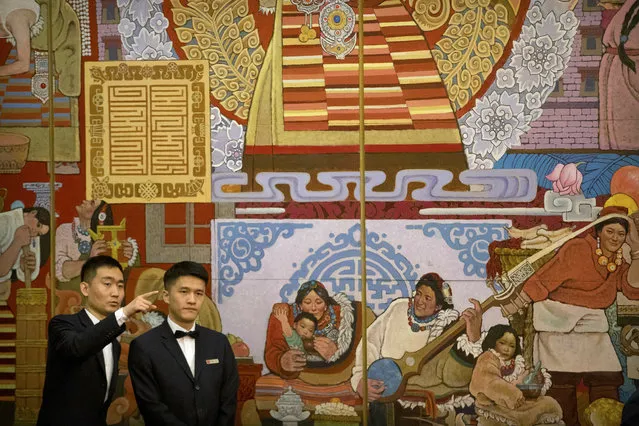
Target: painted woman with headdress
[408, 325]
[337, 328]
[74, 244]
[570, 294]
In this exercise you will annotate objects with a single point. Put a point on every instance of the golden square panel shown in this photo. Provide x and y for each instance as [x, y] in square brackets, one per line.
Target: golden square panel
[147, 132]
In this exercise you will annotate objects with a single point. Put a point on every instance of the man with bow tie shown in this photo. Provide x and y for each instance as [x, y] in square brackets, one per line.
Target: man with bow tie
[83, 349]
[184, 374]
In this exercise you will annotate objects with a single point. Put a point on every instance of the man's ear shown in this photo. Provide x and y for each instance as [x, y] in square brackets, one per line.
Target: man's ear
[165, 296]
[84, 288]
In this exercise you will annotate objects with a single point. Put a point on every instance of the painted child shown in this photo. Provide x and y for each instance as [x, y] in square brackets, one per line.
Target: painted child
[497, 372]
[300, 336]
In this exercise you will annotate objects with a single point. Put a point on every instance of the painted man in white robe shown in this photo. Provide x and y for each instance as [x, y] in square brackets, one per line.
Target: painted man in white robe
[19, 228]
[409, 324]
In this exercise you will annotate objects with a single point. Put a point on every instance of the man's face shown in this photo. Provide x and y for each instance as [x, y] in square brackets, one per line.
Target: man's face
[105, 292]
[425, 302]
[185, 299]
[35, 227]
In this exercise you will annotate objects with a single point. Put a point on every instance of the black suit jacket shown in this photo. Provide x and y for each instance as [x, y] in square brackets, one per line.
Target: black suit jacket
[75, 381]
[630, 414]
[167, 393]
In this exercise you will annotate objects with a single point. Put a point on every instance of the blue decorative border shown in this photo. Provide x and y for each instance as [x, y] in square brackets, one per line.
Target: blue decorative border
[337, 265]
[470, 239]
[241, 247]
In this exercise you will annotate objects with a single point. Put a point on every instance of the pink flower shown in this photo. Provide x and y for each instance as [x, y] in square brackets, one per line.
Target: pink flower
[566, 179]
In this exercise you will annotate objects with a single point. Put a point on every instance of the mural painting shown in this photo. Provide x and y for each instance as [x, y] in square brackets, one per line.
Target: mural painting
[501, 198]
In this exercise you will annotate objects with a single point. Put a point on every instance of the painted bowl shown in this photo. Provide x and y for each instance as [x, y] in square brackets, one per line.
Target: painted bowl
[14, 149]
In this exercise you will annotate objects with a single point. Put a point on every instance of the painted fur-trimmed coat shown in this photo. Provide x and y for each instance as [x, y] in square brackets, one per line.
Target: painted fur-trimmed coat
[496, 394]
[390, 336]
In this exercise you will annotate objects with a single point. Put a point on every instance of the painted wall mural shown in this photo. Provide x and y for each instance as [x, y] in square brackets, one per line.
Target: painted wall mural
[500, 134]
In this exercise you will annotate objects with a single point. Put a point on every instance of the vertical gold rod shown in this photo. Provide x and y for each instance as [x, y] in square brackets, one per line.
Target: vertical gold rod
[52, 228]
[362, 203]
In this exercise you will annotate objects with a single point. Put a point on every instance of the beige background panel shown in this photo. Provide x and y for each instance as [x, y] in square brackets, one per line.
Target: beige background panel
[147, 133]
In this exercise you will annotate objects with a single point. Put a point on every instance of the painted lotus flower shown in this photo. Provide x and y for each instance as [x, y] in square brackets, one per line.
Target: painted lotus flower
[566, 179]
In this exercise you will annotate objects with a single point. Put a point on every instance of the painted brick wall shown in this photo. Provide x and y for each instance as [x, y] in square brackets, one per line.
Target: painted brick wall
[570, 121]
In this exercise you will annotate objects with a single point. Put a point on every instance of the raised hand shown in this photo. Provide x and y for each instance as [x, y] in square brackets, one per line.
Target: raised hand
[281, 313]
[473, 318]
[140, 304]
[98, 247]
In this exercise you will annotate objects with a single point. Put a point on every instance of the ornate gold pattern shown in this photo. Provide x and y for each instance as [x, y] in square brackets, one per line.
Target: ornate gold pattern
[223, 32]
[430, 14]
[148, 137]
[31, 296]
[472, 44]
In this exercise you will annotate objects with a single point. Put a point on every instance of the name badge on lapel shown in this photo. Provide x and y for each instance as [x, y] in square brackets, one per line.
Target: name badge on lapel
[213, 361]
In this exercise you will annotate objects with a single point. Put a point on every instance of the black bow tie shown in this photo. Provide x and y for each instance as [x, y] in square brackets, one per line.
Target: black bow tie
[179, 334]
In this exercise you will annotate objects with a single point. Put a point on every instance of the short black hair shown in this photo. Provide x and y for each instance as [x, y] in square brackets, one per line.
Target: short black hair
[91, 266]
[435, 282]
[306, 315]
[185, 268]
[42, 214]
[495, 333]
[621, 221]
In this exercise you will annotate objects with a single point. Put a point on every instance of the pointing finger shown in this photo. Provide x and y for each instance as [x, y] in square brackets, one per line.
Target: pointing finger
[149, 294]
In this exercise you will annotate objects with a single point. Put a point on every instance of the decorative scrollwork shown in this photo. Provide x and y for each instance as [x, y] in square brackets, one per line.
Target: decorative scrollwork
[470, 239]
[430, 14]
[241, 248]
[223, 32]
[337, 265]
[472, 44]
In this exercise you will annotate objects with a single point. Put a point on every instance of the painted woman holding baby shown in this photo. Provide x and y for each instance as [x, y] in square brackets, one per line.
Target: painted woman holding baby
[334, 329]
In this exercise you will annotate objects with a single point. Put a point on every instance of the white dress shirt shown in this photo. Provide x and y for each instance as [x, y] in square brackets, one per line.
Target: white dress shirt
[107, 351]
[187, 344]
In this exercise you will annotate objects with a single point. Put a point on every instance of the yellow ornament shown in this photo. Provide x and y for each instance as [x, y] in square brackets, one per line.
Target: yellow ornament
[622, 200]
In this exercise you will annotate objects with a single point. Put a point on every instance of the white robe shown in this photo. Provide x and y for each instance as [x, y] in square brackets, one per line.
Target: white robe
[9, 222]
[390, 336]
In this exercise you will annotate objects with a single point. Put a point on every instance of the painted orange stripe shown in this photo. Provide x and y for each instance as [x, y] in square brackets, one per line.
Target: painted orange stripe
[308, 119]
[401, 31]
[408, 46]
[312, 94]
[386, 12]
[305, 106]
[302, 51]
[350, 59]
[389, 73]
[428, 102]
[368, 96]
[303, 71]
[425, 91]
[354, 101]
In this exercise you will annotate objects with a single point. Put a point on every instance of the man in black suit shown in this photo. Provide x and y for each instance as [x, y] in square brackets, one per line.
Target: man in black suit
[83, 351]
[184, 374]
